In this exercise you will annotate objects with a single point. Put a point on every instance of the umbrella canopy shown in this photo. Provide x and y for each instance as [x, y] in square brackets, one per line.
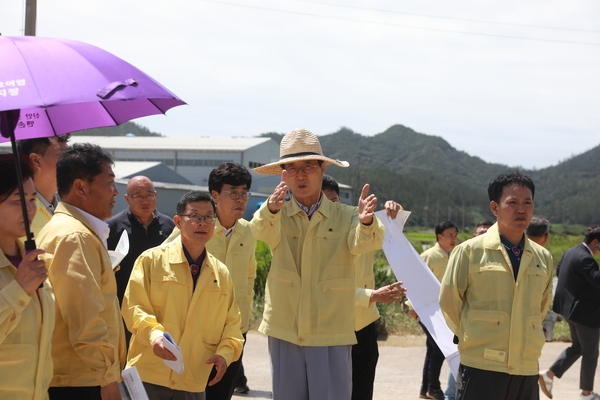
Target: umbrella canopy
[63, 86]
[49, 87]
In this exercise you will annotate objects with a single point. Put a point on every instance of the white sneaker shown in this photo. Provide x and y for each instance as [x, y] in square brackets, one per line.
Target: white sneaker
[546, 384]
[591, 396]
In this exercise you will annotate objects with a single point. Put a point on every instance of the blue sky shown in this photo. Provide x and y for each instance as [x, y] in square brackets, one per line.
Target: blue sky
[496, 79]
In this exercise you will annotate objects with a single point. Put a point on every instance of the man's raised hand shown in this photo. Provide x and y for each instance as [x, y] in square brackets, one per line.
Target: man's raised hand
[277, 199]
[367, 203]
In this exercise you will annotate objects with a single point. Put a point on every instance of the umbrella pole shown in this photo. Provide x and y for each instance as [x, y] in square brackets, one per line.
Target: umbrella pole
[29, 242]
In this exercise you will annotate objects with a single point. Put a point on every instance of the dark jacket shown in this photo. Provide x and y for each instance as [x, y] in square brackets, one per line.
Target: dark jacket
[578, 291]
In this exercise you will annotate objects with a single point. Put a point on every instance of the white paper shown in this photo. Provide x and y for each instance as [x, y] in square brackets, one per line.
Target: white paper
[169, 344]
[422, 287]
[132, 388]
[118, 254]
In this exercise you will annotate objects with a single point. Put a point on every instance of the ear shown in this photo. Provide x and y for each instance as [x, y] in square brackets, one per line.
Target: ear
[34, 159]
[214, 195]
[177, 220]
[494, 208]
[80, 188]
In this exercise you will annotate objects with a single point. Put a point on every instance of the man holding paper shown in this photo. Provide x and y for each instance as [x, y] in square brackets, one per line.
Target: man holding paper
[180, 289]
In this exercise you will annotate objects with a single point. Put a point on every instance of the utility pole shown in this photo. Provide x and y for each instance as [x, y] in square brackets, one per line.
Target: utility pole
[30, 17]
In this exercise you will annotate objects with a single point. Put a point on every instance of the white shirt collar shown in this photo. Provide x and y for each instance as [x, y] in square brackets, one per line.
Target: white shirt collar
[100, 227]
[588, 247]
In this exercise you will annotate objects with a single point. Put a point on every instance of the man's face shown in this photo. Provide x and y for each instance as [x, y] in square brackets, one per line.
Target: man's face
[228, 207]
[141, 197]
[45, 165]
[11, 211]
[515, 209]
[100, 194]
[303, 185]
[447, 239]
[196, 233]
[480, 230]
[331, 195]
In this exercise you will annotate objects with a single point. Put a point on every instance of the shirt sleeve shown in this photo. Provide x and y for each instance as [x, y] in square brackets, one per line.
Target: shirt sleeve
[453, 287]
[13, 300]
[266, 226]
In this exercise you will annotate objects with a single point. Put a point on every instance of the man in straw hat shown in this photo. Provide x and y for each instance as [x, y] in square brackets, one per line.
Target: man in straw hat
[309, 302]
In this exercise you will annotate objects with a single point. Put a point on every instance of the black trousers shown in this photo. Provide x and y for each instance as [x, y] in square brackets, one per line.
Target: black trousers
[365, 354]
[75, 393]
[223, 390]
[478, 384]
[434, 359]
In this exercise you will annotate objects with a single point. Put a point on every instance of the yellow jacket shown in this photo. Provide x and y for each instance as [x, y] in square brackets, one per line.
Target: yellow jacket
[310, 290]
[42, 217]
[26, 324]
[238, 254]
[498, 321]
[205, 321]
[88, 347]
[365, 311]
[436, 259]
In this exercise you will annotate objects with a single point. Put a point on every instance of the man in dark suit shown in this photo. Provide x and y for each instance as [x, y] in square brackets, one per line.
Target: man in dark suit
[577, 299]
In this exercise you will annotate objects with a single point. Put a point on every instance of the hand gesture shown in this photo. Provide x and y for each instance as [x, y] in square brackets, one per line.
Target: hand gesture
[388, 294]
[31, 272]
[220, 366]
[159, 350]
[392, 208]
[277, 199]
[366, 206]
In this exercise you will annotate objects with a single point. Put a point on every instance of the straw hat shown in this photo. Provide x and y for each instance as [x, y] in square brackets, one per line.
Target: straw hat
[298, 145]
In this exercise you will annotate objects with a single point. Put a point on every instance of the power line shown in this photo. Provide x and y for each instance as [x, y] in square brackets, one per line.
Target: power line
[450, 18]
[401, 25]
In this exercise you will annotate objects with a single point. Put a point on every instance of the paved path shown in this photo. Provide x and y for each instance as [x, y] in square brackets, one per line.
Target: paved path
[398, 371]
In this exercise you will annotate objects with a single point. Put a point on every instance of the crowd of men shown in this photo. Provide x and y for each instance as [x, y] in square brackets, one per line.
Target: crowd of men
[190, 280]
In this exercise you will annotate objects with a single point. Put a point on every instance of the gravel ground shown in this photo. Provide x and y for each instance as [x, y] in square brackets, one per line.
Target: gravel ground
[398, 371]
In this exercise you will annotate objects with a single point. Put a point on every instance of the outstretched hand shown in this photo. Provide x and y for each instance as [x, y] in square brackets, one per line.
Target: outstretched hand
[389, 293]
[277, 199]
[220, 366]
[367, 203]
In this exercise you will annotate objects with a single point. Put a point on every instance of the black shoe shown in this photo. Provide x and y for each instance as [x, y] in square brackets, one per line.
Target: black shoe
[436, 394]
[242, 389]
[423, 395]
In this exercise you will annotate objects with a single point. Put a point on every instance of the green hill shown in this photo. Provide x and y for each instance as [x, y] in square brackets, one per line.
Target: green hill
[436, 181]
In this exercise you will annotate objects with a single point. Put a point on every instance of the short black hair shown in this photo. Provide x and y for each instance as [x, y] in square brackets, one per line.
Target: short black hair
[330, 183]
[486, 223]
[591, 233]
[497, 185]
[442, 226]
[81, 161]
[8, 173]
[538, 227]
[40, 145]
[228, 173]
[192, 197]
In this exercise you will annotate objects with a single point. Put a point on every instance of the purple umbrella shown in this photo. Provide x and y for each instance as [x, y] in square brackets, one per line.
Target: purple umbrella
[49, 87]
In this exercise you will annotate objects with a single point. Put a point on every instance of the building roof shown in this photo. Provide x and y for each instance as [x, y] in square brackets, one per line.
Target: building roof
[156, 143]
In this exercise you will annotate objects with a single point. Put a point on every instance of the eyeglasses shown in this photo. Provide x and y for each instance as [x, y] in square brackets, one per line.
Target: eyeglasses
[149, 196]
[197, 218]
[307, 169]
[235, 195]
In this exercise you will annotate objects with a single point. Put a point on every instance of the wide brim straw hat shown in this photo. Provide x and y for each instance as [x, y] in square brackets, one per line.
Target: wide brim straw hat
[298, 145]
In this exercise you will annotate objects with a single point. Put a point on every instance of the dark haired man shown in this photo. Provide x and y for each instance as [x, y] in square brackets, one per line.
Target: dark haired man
[43, 154]
[88, 346]
[182, 289]
[577, 299]
[234, 245]
[436, 259]
[538, 231]
[482, 227]
[494, 295]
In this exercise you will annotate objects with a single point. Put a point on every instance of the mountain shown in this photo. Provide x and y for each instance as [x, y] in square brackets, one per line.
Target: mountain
[436, 181]
[125, 128]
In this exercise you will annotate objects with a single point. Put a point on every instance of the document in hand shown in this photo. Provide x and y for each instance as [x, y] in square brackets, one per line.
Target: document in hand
[132, 388]
[169, 344]
[119, 253]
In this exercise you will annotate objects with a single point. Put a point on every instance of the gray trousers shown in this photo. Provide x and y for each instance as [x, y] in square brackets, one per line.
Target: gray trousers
[584, 344]
[157, 392]
[310, 373]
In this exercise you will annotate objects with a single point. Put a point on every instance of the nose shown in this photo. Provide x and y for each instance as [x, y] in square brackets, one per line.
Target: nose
[115, 190]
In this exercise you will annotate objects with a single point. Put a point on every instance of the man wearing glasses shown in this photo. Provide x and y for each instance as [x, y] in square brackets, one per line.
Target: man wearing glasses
[310, 289]
[234, 245]
[145, 226]
[182, 289]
